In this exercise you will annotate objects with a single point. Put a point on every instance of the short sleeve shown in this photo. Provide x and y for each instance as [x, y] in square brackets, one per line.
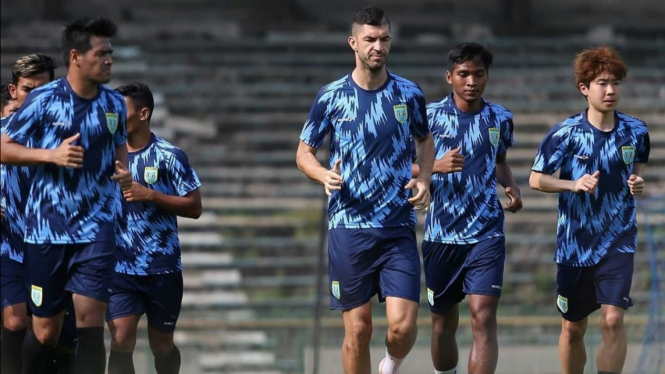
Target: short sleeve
[182, 173]
[317, 125]
[507, 139]
[418, 126]
[643, 149]
[23, 125]
[120, 136]
[552, 150]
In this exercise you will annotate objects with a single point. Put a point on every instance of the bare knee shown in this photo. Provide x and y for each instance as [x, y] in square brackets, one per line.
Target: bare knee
[574, 330]
[15, 323]
[123, 340]
[47, 335]
[612, 322]
[483, 321]
[358, 333]
[160, 343]
[402, 329]
[444, 326]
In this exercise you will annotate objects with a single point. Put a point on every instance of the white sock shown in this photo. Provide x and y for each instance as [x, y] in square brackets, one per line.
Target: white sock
[451, 371]
[390, 364]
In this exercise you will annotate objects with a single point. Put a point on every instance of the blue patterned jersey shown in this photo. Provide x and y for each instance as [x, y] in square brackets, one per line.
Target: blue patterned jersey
[149, 239]
[370, 133]
[67, 205]
[464, 207]
[14, 185]
[591, 227]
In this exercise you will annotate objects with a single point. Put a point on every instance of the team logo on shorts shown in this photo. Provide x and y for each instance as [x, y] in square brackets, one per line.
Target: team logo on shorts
[430, 297]
[628, 154]
[36, 295]
[335, 289]
[401, 114]
[494, 135]
[112, 122]
[150, 175]
[562, 303]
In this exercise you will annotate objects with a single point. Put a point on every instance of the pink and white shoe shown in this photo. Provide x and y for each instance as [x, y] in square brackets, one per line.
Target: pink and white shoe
[381, 366]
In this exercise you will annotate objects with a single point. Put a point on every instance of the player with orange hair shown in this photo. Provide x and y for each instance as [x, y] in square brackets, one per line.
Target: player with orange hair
[601, 155]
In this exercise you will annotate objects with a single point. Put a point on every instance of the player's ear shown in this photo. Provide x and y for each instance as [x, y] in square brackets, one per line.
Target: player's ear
[73, 56]
[353, 43]
[12, 90]
[145, 114]
[583, 89]
[449, 77]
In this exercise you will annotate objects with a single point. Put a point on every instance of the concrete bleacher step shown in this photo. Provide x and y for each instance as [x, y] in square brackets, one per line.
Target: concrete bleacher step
[226, 339]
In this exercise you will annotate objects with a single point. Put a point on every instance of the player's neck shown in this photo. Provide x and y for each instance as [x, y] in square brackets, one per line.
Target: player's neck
[84, 89]
[467, 106]
[139, 140]
[601, 121]
[369, 80]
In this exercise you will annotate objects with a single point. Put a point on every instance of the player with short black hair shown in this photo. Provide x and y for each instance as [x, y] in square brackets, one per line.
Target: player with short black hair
[76, 130]
[148, 272]
[371, 115]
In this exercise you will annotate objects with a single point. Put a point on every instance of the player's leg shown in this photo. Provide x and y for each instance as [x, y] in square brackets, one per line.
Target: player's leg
[576, 299]
[66, 349]
[14, 315]
[444, 275]
[46, 275]
[614, 277]
[483, 282]
[353, 268]
[163, 302]
[357, 335]
[400, 287]
[122, 316]
[90, 279]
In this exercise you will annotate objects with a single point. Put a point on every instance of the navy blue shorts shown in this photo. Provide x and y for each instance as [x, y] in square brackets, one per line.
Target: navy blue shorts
[55, 271]
[366, 262]
[158, 296]
[453, 271]
[582, 290]
[12, 282]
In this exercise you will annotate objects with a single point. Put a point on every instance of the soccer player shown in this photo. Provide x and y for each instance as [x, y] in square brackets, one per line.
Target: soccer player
[28, 73]
[8, 104]
[464, 246]
[148, 276]
[601, 155]
[370, 115]
[76, 130]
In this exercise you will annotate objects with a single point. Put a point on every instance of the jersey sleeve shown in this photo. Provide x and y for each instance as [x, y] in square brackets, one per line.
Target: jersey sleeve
[643, 149]
[552, 151]
[507, 139]
[25, 124]
[419, 127]
[182, 173]
[120, 136]
[317, 125]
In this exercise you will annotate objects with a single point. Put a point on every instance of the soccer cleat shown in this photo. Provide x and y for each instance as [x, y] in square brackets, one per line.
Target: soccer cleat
[381, 366]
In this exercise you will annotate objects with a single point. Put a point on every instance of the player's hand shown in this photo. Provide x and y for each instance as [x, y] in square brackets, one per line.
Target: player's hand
[333, 179]
[137, 193]
[122, 176]
[635, 184]
[67, 154]
[451, 162]
[515, 203]
[587, 183]
[2, 212]
[421, 199]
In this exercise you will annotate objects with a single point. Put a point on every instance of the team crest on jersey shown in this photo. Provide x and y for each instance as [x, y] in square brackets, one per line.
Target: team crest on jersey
[628, 154]
[430, 297]
[150, 175]
[562, 303]
[36, 295]
[335, 289]
[494, 135]
[401, 114]
[112, 122]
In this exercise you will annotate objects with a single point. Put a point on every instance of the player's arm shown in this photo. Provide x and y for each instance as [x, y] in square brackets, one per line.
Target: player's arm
[122, 175]
[185, 206]
[66, 155]
[636, 180]
[425, 162]
[549, 183]
[312, 168]
[505, 177]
